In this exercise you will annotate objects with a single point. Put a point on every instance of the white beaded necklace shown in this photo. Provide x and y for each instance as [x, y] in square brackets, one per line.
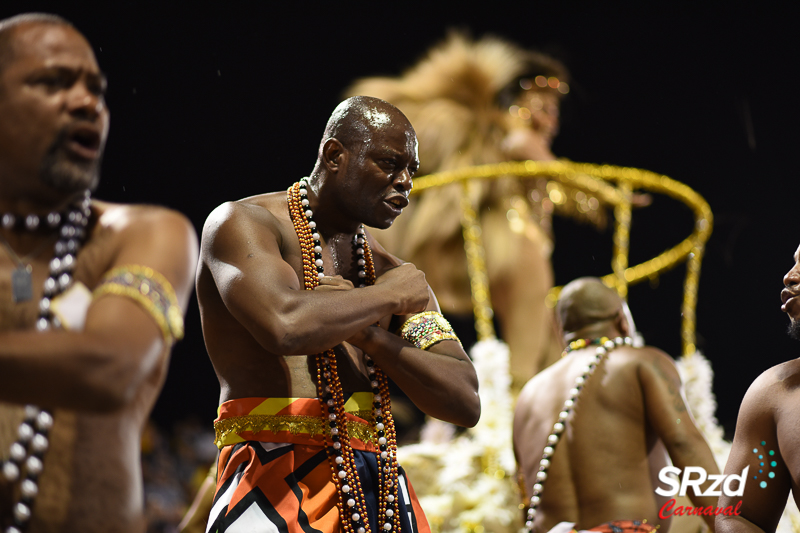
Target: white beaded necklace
[359, 239]
[558, 428]
[27, 453]
[351, 494]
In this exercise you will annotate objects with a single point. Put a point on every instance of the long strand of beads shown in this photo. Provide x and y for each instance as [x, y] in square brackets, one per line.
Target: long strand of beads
[27, 453]
[387, 445]
[351, 501]
[605, 346]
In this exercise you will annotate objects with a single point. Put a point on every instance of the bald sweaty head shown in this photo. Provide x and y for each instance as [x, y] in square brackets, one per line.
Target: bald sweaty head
[586, 301]
[355, 120]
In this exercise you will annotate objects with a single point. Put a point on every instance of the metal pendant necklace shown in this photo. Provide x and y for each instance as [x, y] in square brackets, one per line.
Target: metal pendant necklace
[22, 275]
[25, 457]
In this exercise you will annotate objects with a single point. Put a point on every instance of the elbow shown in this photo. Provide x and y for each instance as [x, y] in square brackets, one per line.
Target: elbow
[101, 396]
[109, 399]
[281, 341]
[281, 335]
[472, 403]
[472, 411]
[115, 382]
[110, 391]
[465, 406]
[466, 412]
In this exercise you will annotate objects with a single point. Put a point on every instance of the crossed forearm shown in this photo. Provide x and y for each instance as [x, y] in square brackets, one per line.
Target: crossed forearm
[441, 385]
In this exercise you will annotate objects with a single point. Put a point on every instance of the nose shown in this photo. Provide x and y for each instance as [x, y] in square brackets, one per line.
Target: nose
[792, 278]
[85, 103]
[404, 182]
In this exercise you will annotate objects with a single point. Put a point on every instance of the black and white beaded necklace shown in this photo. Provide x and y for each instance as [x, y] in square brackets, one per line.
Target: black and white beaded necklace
[21, 277]
[352, 506]
[605, 345]
[26, 455]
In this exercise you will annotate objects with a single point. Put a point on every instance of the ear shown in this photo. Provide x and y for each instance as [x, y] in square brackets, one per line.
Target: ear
[334, 155]
[559, 326]
[622, 323]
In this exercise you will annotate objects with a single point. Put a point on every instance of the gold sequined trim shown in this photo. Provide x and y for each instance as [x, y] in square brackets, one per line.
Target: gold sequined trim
[294, 424]
[423, 330]
[149, 289]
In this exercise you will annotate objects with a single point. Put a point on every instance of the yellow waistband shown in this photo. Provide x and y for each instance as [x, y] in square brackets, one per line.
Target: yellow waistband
[265, 427]
[289, 420]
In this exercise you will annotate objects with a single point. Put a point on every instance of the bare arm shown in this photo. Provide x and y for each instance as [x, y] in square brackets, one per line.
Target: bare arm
[196, 518]
[666, 411]
[760, 506]
[242, 249]
[102, 367]
[441, 380]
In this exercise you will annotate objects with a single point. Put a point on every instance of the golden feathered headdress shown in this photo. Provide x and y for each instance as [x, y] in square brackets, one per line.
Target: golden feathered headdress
[452, 97]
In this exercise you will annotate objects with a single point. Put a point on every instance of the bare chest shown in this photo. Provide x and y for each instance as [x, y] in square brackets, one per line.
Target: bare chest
[338, 255]
[92, 261]
[352, 370]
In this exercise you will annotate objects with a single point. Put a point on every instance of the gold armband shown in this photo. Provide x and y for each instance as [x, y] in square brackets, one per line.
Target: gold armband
[426, 329]
[149, 289]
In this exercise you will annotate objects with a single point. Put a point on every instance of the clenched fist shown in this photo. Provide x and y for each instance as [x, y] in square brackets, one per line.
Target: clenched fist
[408, 284]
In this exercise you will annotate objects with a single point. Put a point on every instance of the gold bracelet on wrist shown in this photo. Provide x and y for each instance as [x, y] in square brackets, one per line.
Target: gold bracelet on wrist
[426, 329]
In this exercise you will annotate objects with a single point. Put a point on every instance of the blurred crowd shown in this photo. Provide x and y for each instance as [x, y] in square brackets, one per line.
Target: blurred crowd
[175, 462]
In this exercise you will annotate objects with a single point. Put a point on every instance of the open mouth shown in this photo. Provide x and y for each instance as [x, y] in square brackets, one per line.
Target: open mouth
[398, 201]
[786, 297]
[84, 142]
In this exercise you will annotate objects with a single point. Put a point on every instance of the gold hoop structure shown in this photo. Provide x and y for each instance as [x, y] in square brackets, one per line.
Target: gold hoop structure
[613, 186]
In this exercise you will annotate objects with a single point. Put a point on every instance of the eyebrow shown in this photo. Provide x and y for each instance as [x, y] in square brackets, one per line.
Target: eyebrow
[99, 75]
[385, 150]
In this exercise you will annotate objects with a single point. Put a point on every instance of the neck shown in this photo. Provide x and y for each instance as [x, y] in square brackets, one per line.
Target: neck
[23, 203]
[592, 332]
[331, 221]
[24, 222]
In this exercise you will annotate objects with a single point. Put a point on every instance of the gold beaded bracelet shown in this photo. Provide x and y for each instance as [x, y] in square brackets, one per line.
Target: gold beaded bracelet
[423, 330]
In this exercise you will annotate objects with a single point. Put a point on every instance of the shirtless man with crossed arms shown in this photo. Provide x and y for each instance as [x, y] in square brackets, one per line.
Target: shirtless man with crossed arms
[286, 400]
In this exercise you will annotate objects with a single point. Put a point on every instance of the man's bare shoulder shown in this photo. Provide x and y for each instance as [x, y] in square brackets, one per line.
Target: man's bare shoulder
[773, 385]
[785, 375]
[648, 357]
[274, 202]
[126, 232]
[120, 218]
[540, 384]
[148, 235]
[238, 218]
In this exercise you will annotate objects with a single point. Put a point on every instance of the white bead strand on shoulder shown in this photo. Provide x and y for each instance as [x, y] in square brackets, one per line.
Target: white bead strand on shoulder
[605, 346]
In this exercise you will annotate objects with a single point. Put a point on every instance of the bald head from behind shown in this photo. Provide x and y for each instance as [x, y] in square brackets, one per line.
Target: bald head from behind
[356, 120]
[588, 308]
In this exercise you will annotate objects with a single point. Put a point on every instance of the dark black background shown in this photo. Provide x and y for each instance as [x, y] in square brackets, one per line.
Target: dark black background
[220, 100]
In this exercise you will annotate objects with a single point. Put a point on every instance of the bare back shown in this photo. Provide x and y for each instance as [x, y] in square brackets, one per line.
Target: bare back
[238, 237]
[600, 470]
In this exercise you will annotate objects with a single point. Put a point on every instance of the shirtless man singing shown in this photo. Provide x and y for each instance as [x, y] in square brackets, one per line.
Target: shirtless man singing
[92, 295]
[767, 434]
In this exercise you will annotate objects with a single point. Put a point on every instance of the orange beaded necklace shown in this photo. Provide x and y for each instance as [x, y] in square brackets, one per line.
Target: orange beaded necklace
[351, 503]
